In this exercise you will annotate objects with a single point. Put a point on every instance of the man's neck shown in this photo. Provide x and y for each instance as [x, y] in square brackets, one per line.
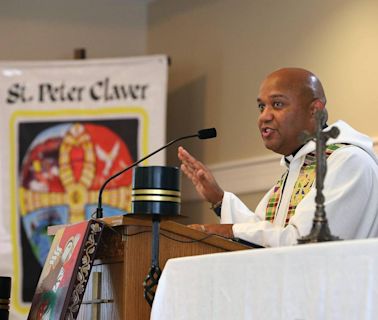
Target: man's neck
[296, 151]
[290, 157]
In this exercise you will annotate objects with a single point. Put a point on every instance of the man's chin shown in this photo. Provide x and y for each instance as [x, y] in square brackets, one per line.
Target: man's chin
[270, 146]
[273, 147]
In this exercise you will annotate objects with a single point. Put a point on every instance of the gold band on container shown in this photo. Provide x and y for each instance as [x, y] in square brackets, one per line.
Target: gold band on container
[155, 198]
[4, 306]
[157, 191]
[4, 301]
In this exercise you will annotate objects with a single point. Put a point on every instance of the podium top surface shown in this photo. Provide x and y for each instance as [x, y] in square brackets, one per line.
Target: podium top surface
[166, 224]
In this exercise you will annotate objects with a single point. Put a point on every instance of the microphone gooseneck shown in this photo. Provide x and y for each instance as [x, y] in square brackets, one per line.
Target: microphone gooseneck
[202, 134]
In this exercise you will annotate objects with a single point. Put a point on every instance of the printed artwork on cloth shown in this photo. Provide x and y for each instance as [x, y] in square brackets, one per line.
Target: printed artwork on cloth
[66, 272]
[62, 167]
[67, 126]
[302, 186]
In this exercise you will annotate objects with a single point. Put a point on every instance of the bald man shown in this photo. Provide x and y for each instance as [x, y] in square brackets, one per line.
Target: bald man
[287, 100]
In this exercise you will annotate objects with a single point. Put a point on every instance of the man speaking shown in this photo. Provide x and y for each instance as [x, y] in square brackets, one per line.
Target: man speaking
[288, 100]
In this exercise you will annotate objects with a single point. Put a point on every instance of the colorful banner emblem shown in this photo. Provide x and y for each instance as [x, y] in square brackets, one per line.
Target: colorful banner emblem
[62, 137]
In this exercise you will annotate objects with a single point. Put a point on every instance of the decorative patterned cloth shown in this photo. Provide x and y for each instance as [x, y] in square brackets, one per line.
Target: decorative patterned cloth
[302, 186]
[275, 197]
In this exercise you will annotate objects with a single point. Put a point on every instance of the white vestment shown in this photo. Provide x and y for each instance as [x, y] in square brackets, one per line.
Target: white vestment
[350, 190]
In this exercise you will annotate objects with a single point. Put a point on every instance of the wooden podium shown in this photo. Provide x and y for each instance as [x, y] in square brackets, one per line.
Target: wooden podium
[115, 288]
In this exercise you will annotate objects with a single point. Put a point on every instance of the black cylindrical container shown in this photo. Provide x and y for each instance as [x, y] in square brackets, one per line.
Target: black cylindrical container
[5, 291]
[156, 190]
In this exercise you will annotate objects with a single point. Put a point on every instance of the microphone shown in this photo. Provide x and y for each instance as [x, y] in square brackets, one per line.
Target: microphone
[207, 133]
[202, 134]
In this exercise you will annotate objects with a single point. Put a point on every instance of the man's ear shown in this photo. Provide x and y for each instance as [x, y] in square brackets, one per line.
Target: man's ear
[316, 105]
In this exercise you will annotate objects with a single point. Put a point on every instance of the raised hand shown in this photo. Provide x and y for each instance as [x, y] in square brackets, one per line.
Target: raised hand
[201, 177]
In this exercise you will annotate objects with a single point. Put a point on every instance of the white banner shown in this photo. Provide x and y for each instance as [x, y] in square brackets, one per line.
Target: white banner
[65, 127]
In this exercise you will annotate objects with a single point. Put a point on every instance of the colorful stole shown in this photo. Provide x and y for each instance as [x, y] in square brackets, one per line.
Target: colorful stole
[301, 188]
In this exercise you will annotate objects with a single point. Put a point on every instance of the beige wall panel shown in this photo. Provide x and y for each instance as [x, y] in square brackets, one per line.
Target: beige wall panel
[33, 30]
[222, 49]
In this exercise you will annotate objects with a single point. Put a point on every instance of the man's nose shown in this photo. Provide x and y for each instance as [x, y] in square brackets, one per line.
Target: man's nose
[266, 114]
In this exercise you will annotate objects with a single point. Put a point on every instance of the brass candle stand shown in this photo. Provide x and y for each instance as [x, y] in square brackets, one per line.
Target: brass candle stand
[320, 231]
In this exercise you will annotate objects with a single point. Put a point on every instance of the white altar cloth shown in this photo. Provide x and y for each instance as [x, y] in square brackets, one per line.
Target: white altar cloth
[335, 280]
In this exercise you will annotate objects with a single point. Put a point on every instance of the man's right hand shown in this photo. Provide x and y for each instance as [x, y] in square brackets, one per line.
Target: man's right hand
[201, 177]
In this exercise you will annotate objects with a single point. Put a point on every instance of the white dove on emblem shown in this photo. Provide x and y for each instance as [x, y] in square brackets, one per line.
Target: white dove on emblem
[108, 158]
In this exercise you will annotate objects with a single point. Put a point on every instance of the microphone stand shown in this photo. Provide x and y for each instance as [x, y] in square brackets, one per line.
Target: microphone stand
[153, 276]
[99, 210]
[152, 279]
[320, 231]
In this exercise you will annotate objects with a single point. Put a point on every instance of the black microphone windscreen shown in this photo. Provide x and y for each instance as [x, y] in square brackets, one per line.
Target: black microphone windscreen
[207, 133]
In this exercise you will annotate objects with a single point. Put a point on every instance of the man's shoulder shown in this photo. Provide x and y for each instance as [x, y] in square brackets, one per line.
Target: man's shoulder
[352, 154]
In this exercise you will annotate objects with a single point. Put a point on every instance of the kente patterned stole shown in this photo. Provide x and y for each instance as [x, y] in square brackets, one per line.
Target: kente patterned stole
[301, 188]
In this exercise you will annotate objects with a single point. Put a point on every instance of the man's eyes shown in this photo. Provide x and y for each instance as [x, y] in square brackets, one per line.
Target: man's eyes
[275, 104]
[261, 107]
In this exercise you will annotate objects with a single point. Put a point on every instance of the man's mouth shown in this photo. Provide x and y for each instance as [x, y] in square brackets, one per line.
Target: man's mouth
[266, 131]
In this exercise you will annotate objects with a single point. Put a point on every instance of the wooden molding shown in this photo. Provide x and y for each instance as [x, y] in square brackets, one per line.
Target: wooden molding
[251, 175]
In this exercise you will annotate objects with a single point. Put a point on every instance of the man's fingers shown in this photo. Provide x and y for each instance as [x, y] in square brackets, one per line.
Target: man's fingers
[189, 173]
[192, 168]
[189, 160]
[201, 175]
[199, 227]
[204, 177]
[196, 176]
[187, 170]
[180, 153]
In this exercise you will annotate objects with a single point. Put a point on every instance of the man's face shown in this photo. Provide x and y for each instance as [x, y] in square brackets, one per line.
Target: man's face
[284, 113]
